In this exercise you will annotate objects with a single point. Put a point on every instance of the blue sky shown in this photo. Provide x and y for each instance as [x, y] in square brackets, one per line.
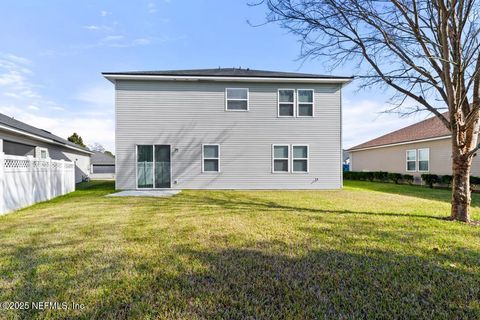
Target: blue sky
[53, 52]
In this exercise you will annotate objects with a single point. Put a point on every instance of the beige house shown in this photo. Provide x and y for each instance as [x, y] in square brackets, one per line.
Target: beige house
[423, 147]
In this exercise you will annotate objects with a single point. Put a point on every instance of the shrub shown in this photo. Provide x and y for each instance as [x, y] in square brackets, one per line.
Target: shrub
[408, 178]
[369, 176]
[353, 175]
[348, 175]
[446, 179]
[380, 175]
[430, 179]
[474, 181]
[394, 177]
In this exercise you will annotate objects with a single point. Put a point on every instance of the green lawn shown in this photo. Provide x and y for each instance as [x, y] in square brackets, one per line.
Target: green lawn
[370, 250]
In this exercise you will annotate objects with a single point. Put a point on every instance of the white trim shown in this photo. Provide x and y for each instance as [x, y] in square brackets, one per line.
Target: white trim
[401, 143]
[113, 77]
[38, 152]
[418, 159]
[307, 158]
[31, 135]
[407, 161]
[287, 158]
[203, 157]
[293, 103]
[236, 110]
[299, 103]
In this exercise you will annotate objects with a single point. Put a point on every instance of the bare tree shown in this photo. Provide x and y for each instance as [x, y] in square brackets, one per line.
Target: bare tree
[426, 51]
[96, 147]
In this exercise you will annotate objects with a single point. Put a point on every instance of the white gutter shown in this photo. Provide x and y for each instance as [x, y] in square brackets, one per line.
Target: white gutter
[113, 77]
[401, 143]
[31, 135]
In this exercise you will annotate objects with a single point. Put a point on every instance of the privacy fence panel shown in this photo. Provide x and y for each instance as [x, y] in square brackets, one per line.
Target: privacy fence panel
[27, 180]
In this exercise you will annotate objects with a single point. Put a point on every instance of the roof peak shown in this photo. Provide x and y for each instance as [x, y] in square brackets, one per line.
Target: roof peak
[429, 128]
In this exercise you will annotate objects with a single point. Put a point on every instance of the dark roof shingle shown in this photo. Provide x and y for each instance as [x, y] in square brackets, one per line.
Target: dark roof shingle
[22, 126]
[229, 72]
[426, 129]
[100, 158]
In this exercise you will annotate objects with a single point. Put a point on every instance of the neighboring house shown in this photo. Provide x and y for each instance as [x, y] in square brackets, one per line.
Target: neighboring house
[227, 129]
[423, 147]
[346, 160]
[103, 166]
[20, 139]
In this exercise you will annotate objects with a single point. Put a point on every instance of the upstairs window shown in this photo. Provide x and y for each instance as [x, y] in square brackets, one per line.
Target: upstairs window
[423, 159]
[237, 99]
[286, 102]
[411, 160]
[281, 161]
[210, 158]
[299, 158]
[305, 103]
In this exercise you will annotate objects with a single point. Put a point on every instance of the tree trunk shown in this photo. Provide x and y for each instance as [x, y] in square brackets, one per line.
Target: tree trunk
[461, 193]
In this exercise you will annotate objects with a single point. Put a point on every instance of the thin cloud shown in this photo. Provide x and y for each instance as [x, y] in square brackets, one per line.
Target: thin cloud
[100, 96]
[94, 27]
[364, 120]
[151, 7]
[14, 77]
[91, 27]
[105, 13]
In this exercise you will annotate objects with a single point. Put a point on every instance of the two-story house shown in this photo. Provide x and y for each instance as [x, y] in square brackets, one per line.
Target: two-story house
[227, 129]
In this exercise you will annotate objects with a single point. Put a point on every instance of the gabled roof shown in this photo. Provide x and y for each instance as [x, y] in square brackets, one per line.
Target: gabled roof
[219, 73]
[8, 122]
[426, 129]
[101, 158]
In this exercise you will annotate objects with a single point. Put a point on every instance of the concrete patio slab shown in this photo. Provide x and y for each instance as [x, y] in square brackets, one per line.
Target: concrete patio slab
[145, 193]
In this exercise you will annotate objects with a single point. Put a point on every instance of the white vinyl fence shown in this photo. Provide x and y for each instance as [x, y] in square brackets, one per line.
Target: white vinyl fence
[28, 180]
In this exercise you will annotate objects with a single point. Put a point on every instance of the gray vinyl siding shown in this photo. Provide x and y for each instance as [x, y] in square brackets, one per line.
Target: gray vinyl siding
[189, 114]
[56, 152]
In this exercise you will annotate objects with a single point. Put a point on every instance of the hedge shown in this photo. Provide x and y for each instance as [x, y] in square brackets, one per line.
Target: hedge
[430, 179]
[382, 176]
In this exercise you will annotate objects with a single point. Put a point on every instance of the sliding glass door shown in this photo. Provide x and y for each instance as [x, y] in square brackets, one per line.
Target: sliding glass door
[162, 166]
[153, 166]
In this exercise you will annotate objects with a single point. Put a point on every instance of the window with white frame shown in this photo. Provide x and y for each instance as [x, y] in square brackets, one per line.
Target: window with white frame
[305, 103]
[237, 99]
[41, 153]
[299, 158]
[411, 160]
[286, 102]
[210, 158]
[281, 159]
[423, 159]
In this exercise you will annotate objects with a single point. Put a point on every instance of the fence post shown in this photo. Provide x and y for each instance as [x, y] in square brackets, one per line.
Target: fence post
[62, 176]
[2, 178]
[73, 176]
[31, 196]
[49, 178]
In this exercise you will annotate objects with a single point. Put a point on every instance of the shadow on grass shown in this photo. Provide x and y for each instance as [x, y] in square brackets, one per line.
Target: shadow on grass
[416, 191]
[239, 283]
[130, 266]
[241, 202]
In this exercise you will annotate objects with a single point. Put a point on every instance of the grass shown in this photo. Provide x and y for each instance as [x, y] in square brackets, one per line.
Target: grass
[370, 250]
